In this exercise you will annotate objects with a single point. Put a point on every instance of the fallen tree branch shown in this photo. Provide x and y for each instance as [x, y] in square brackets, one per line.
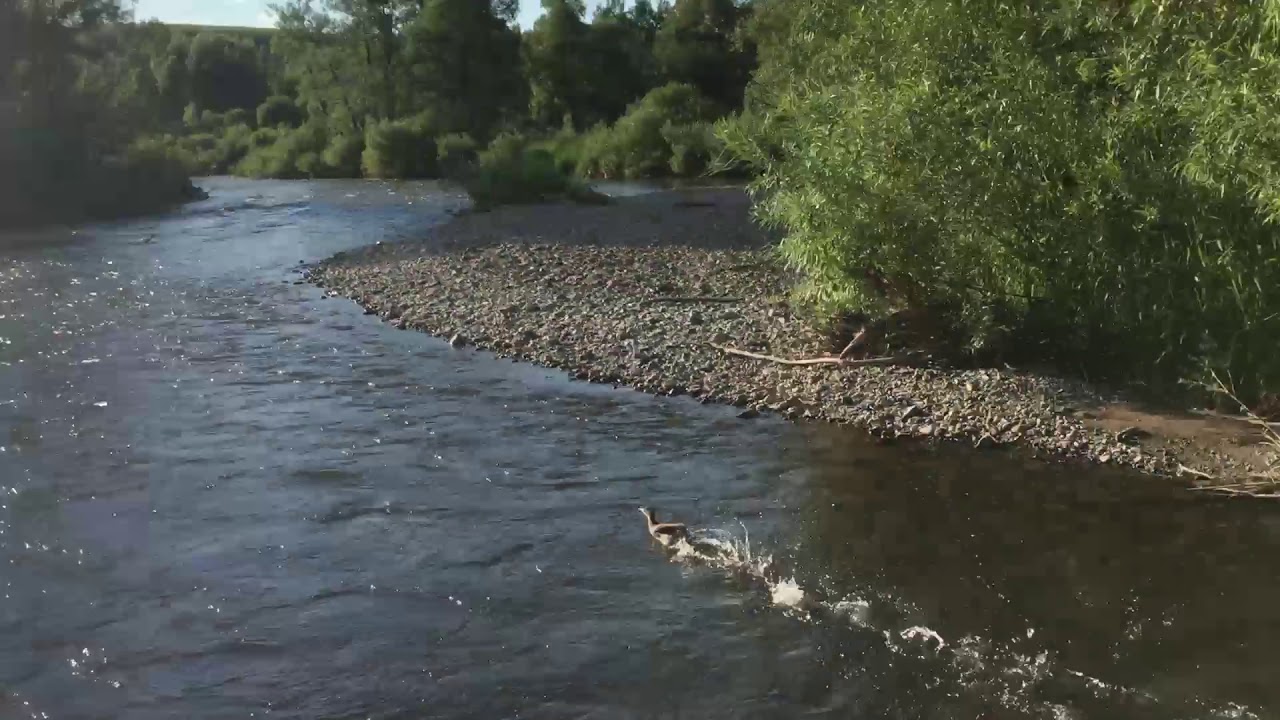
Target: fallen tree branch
[1238, 491]
[691, 299]
[824, 360]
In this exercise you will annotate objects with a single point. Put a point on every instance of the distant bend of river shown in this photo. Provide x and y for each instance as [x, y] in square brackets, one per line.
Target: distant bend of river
[222, 495]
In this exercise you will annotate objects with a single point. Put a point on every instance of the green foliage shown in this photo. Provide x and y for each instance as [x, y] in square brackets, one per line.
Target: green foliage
[296, 153]
[1100, 180]
[464, 64]
[400, 149]
[72, 96]
[558, 78]
[640, 144]
[565, 146]
[278, 110]
[511, 171]
[341, 157]
[698, 44]
[46, 177]
[455, 154]
[224, 72]
[694, 147]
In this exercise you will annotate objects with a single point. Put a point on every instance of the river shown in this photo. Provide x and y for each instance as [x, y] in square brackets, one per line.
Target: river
[223, 495]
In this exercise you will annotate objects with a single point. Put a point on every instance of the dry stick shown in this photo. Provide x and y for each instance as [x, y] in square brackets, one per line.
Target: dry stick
[827, 360]
[854, 343]
[691, 299]
[1192, 471]
[1235, 492]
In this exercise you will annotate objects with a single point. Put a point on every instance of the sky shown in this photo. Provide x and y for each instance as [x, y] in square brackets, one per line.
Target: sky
[254, 13]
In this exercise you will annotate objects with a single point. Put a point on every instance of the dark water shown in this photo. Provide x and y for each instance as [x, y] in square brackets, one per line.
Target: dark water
[223, 496]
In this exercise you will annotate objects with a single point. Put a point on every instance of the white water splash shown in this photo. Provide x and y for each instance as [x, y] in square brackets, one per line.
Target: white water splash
[919, 631]
[1011, 677]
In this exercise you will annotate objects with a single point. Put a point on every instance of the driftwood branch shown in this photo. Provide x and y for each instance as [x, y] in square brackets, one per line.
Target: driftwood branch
[824, 360]
[1243, 491]
[692, 299]
[1193, 471]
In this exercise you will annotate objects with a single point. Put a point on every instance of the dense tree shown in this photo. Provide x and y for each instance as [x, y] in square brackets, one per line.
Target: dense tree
[698, 43]
[464, 65]
[621, 65]
[558, 77]
[71, 92]
[224, 73]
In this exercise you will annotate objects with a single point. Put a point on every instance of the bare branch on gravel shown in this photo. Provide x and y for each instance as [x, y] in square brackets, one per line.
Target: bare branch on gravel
[692, 299]
[824, 360]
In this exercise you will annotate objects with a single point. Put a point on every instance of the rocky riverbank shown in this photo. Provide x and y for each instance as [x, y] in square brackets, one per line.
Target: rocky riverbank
[645, 292]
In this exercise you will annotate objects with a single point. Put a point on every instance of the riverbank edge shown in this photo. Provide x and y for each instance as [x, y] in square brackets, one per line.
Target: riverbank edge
[647, 291]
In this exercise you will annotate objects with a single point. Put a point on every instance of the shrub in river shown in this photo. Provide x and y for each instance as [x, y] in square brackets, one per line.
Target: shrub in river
[512, 171]
[341, 157]
[400, 149]
[1101, 179]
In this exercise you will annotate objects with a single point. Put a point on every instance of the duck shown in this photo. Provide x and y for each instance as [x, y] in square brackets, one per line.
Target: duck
[667, 533]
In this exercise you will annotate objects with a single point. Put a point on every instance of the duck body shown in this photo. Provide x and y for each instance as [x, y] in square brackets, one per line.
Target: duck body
[667, 533]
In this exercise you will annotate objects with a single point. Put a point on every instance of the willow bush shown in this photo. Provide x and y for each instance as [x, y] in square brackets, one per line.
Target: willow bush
[1100, 176]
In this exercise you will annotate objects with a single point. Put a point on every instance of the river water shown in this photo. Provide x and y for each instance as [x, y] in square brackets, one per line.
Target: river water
[223, 495]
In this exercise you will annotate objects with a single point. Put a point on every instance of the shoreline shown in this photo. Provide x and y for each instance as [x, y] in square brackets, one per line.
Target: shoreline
[647, 291]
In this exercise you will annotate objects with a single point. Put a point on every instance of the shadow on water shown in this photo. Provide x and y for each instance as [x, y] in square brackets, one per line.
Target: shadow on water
[1023, 590]
[223, 495]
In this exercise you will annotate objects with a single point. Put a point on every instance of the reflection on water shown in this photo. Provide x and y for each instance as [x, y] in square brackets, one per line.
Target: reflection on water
[222, 495]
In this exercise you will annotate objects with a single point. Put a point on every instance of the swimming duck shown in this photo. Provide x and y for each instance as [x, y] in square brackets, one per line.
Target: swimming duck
[668, 533]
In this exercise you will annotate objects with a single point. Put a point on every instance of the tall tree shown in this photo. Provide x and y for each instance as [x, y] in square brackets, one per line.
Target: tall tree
[620, 67]
[225, 73]
[554, 52]
[698, 44]
[464, 60]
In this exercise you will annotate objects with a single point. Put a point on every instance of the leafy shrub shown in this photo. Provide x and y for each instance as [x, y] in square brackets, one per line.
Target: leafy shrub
[45, 176]
[566, 146]
[295, 154]
[209, 122]
[229, 149]
[693, 147]
[455, 154]
[510, 171]
[1098, 178]
[279, 110]
[635, 147]
[400, 149]
[264, 137]
[599, 155]
[237, 116]
[341, 158]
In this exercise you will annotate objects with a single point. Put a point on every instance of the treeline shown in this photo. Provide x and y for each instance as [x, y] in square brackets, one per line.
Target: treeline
[1092, 183]
[417, 88]
[1095, 182]
[71, 102]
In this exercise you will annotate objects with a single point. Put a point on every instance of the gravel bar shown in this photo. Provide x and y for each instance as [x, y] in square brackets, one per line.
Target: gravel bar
[636, 293]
